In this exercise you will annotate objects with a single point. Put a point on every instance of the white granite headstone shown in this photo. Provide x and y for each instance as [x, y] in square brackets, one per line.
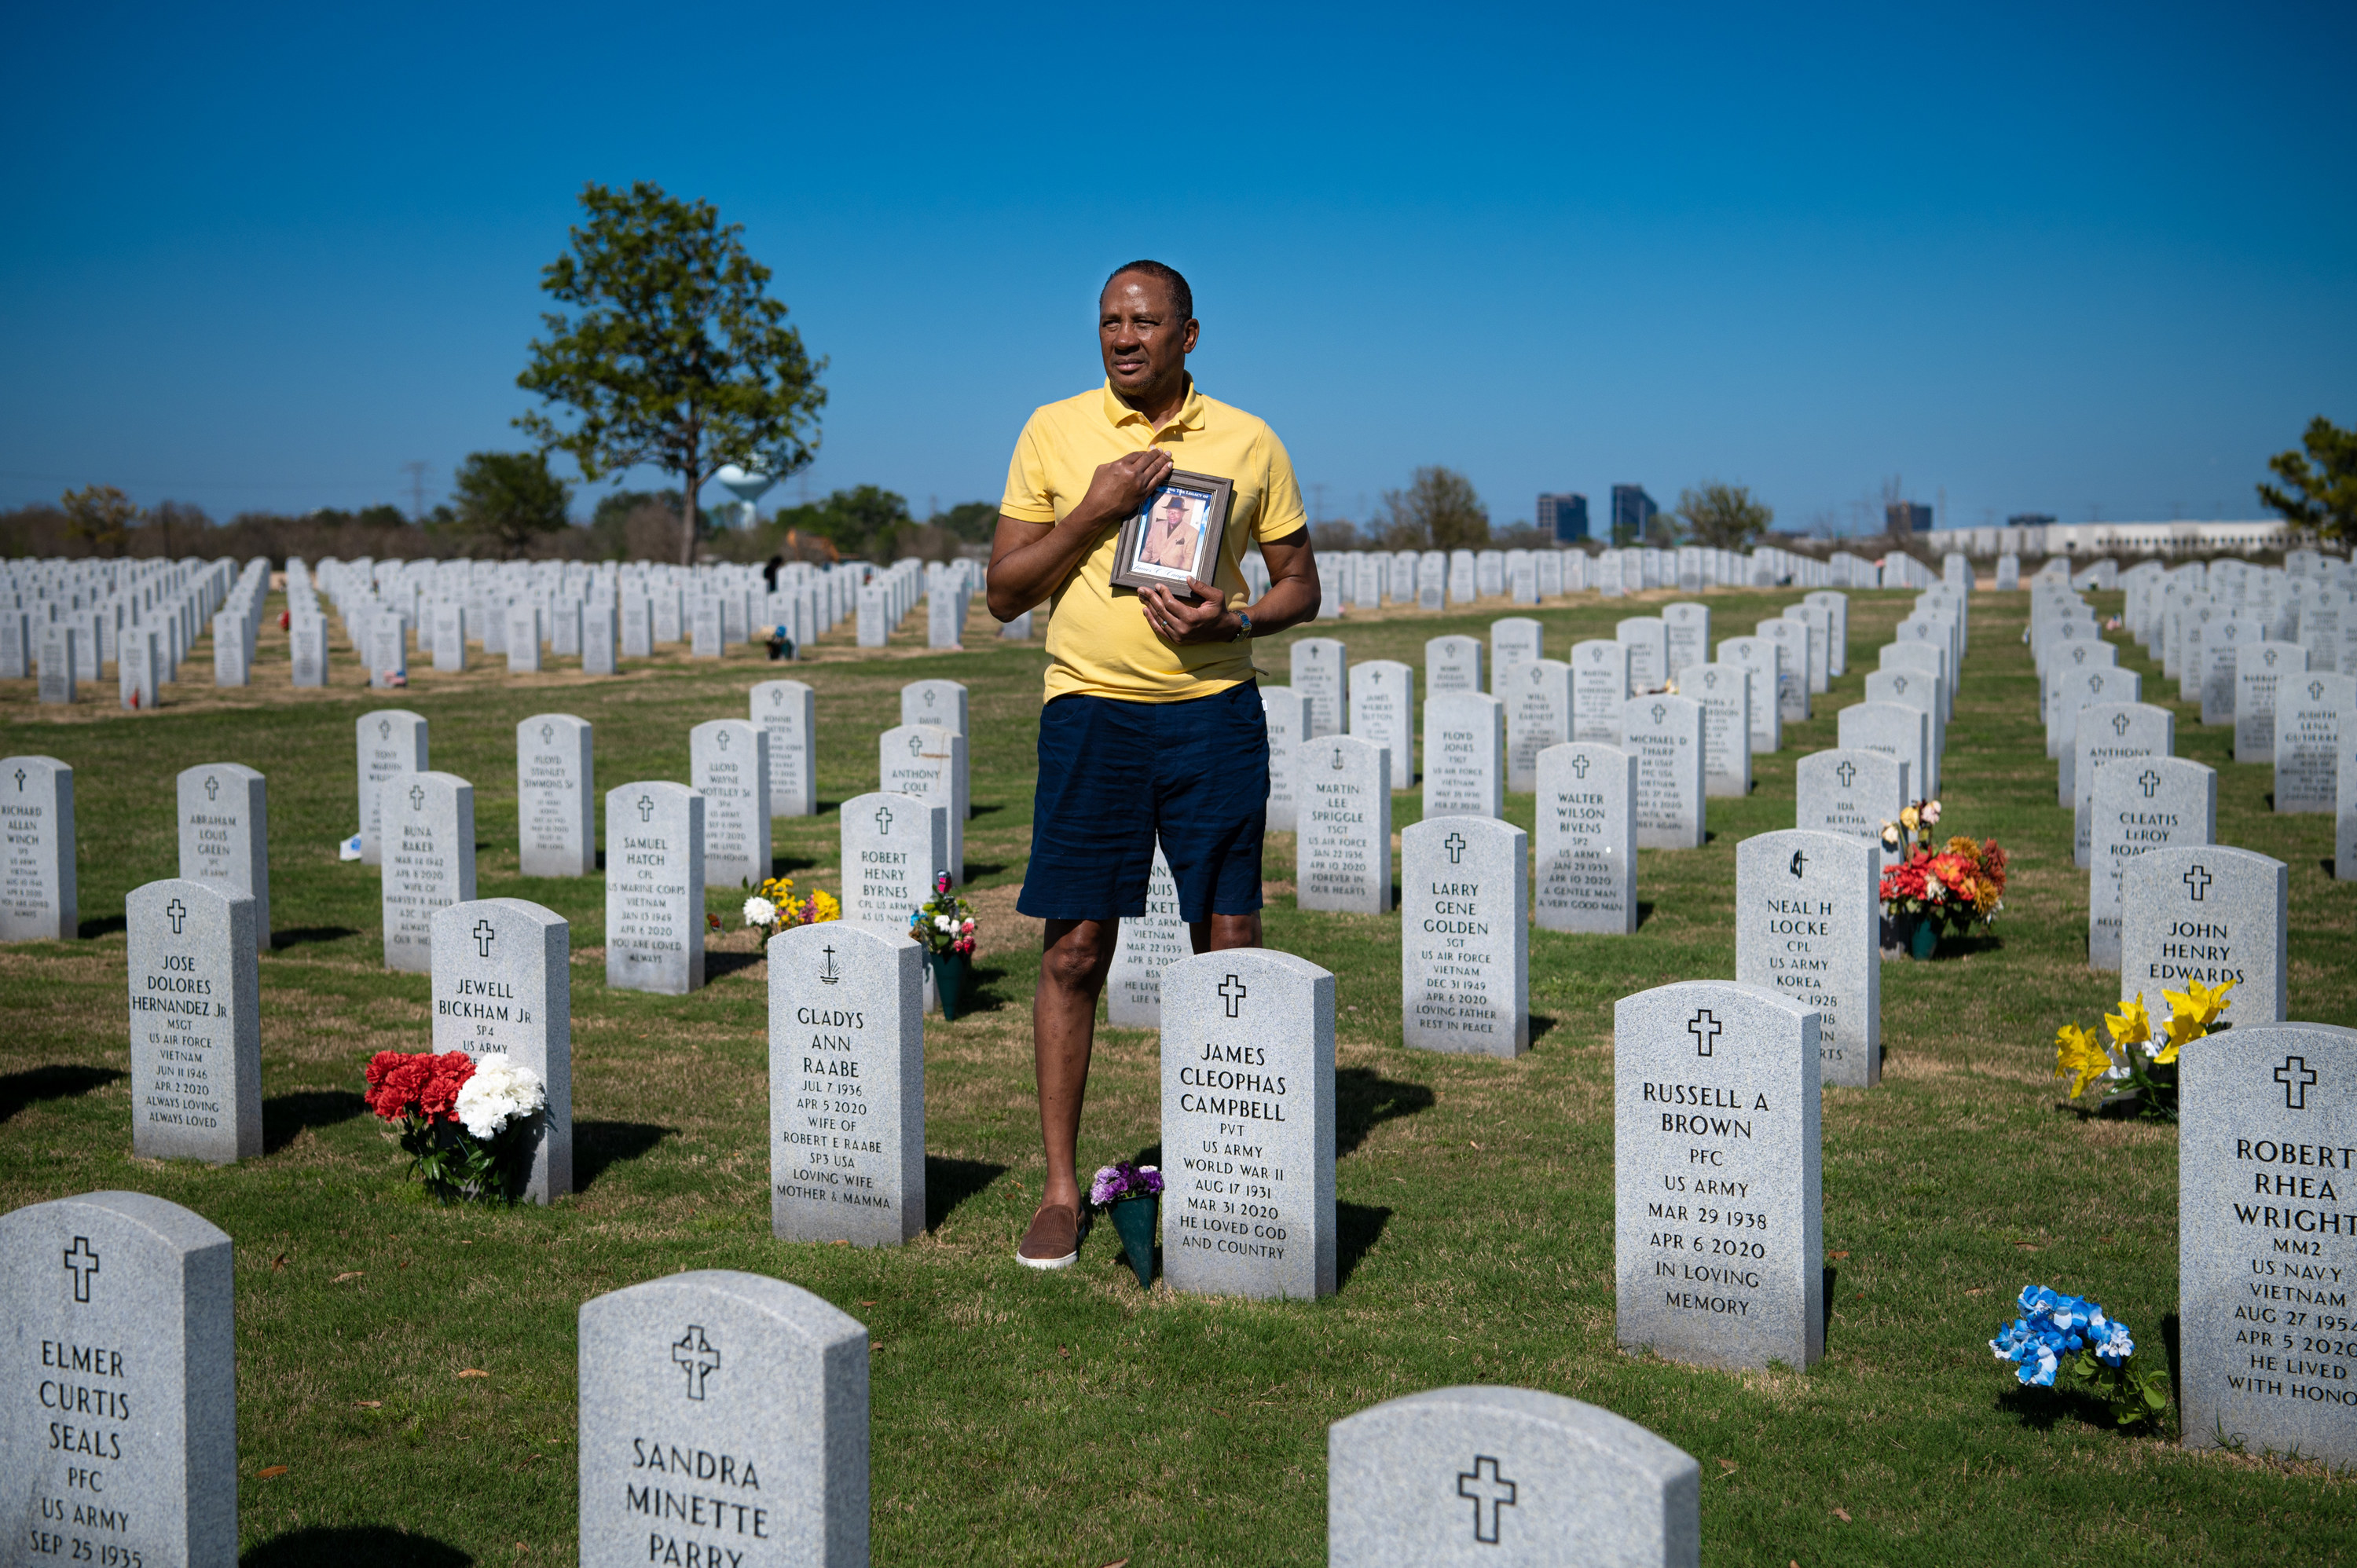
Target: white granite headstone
[503, 985]
[787, 710]
[654, 889]
[728, 765]
[39, 897]
[1665, 734]
[1464, 754]
[926, 762]
[429, 860]
[1288, 715]
[1147, 944]
[2140, 805]
[556, 797]
[1465, 935]
[1808, 921]
[195, 1024]
[391, 740]
[846, 1085]
[2210, 913]
[1342, 850]
[893, 848]
[1586, 876]
[224, 812]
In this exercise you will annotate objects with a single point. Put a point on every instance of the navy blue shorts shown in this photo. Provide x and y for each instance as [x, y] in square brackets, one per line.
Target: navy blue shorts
[1115, 774]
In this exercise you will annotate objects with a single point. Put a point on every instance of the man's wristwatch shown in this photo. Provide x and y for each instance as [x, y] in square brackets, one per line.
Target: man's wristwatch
[1244, 626]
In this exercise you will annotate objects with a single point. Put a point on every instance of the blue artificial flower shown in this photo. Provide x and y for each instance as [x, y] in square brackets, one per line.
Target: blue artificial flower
[2052, 1325]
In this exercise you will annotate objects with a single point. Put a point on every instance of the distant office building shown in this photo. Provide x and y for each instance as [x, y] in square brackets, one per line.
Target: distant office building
[1906, 517]
[1564, 518]
[1632, 512]
[2028, 520]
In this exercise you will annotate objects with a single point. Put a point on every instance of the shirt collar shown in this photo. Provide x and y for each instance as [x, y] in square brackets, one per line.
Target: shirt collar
[1190, 415]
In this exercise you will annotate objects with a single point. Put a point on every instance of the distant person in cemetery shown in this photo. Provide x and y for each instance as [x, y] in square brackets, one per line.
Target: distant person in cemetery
[770, 570]
[1172, 531]
[1153, 727]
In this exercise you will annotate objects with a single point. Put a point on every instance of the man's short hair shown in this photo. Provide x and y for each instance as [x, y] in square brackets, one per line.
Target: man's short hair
[1180, 294]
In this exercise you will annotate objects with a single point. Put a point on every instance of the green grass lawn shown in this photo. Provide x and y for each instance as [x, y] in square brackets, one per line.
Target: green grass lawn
[1068, 1418]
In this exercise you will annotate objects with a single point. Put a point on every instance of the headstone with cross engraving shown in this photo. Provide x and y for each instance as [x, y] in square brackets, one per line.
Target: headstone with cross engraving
[1382, 712]
[429, 860]
[1920, 689]
[1482, 1475]
[2074, 693]
[39, 901]
[2207, 913]
[196, 1034]
[122, 1440]
[1808, 921]
[225, 821]
[386, 641]
[1686, 627]
[724, 1422]
[846, 1085]
[1342, 847]
[2314, 712]
[1147, 945]
[1647, 639]
[1248, 1125]
[942, 703]
[1599, 690]
[1465, 935]
[1851, 794]
[502, 985]
[1725, 693]
[893, 847]
[1791, 639]
[55, 681]
[1464, 755]
[1288, 715]
[1452, 663]
[1895, 729]
[2267, 1240]
[654, 889]
[391, 740]
[556, 797]
[2220, 663]
[926, 762]
[2109, 732]
[1539, 706]
[1762, 658]
[1665, 734]
[1587, 874]
[2138, 805]
[1517, 640]
[306, 649]
[787, 711]
[1718, 1221]
[1320, 672]
[2062, 660]
[728, 765]
[598, 635]
[448, 620]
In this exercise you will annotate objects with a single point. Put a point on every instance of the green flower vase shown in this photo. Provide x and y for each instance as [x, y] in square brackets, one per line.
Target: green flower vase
[1133, 1218]
[950, 972]
[1924, 941]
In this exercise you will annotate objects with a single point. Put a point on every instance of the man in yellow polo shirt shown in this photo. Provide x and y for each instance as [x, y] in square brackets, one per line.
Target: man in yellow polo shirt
[1153, 727]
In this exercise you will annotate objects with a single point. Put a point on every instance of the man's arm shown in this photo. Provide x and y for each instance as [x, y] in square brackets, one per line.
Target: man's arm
[1292, 598]
[1030, 561]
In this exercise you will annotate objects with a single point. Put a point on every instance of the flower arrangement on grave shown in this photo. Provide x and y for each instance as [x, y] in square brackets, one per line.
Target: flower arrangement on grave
[2137, 1067]
[465, 1121]
[2067, 1342]
[1126, 1193]
[944, 925]
[773, 908]
[1955, 886]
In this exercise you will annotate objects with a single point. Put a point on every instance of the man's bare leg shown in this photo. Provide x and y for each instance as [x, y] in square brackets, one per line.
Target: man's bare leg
[1075, 958]
[1222, 932]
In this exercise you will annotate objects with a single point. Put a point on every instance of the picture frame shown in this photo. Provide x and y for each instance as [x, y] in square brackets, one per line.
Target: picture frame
[1154, 538]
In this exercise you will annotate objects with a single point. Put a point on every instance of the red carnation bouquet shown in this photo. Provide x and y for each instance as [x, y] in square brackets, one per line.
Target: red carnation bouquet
[462, 1142]
[1957, 886]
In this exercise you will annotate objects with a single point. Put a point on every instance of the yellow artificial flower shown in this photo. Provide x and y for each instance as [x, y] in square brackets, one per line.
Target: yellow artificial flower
[2077, 1057]
[2201, 1001]
[2131, 1026]
[824, 906]
[1909, 818]
[2184, 1028]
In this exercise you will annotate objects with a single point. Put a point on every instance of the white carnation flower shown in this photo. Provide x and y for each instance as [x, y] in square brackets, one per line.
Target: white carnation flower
[760, 911]
[943, 923]
[502, 1089]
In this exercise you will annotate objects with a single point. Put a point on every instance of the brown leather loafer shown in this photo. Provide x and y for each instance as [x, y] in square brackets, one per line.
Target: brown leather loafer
[1054, 1239]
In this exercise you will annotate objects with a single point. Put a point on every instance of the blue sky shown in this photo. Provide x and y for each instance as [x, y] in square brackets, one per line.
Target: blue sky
[2075, 260]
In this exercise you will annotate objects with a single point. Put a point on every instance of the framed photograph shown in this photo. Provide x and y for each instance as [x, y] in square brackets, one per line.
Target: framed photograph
[1176, 535]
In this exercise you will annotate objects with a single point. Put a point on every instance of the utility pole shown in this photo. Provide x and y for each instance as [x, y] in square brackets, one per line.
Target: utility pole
[1317, 503]
[415, 469]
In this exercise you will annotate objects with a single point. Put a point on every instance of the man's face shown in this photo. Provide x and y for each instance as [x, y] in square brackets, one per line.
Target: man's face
[1144, 344]
[1170, 511]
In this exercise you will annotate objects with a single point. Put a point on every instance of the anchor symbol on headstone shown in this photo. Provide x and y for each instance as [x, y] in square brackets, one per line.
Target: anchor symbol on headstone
[884, 821]
[1233, 991]
[694, 1355]
[2151, 782]
[1489, 1492]
[646, 809]
[827, 974]
[83, 1262]
[1455, 844]
[1337, 759]
[2295, 1075]
[2197, 888]
[417, 797]
[484, 934]
[176, 912]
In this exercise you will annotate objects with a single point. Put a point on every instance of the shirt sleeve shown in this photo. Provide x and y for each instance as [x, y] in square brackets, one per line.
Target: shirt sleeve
[1281, 513]
[1029, 498]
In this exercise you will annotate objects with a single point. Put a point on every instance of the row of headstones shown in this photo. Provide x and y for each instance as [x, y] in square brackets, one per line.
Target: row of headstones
[65, 632]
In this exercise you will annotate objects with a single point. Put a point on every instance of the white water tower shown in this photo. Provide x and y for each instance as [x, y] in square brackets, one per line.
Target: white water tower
[748, 488]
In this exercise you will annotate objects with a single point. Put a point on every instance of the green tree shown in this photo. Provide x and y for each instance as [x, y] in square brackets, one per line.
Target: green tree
[976, 522]
[1724, 516]
[673, 353]
[511, 498]
[100, 516]
[1438, 511]
[860, 523]
[2322, 498]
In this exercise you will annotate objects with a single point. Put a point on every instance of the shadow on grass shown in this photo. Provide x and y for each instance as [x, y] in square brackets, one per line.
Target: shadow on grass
[1644, 913]
[977, 809]
[597, 1145]
[2041, 1410]
[285, 1116]
[1357, 1228]
[949, 1183]
[1833, 1280]
[975, 870]
[979, 996]
[2171, 1328]
[303, 936]
[787, 864]
[1363, 1097]
[718, 962]
[1540, 1023]
[60, 1082]
[2330, 867]
[354, 1546]
[103, 925]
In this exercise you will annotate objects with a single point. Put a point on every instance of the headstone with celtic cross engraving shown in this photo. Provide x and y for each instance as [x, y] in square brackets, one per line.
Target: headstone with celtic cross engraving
[503, 986]
[39, 901]
[1465, 942]
[1342, 847]
[893, 847]
[428, 820]
[723, 1423]
[1599, 690]
[2266, 1241]
[1482, 1475]
[556, 797]
[654, 889]
[942, 703]
[1382, 713]
[1538, 698]
[1918, 689]
[926, 762]
[391, 740]
[1725, 693]
[2207, 913]
[1586, 873]
[728, 765]
[2261, 670]
[1851, 794]
[196, 1030]
[1717, 1223]
[1665, 734]
[1320, 672]
[1464, 754]
[1248, 1125]
[1286, 711]
[1452, 664]
[121, 1442]
[787, 712]
[846, 1085]
[1808, 922]
[2109, 732]
[1895, 729]
[224, 822]
[1148, 944]
[2314, 712]
[2140, 804]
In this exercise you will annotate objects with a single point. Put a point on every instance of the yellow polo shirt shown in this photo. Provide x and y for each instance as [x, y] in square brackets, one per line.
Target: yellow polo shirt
[1098, 640]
